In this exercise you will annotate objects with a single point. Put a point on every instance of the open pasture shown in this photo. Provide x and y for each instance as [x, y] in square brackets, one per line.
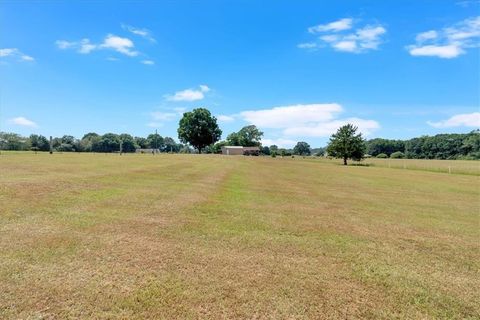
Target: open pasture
[192, 236]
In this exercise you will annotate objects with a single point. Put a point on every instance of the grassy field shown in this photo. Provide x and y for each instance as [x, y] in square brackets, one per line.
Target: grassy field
[188, 236]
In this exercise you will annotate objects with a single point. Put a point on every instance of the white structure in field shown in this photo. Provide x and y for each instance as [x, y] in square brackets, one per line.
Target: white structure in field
[239, 151]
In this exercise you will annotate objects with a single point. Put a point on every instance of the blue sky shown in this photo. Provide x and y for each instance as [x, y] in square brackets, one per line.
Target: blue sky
[296, 69]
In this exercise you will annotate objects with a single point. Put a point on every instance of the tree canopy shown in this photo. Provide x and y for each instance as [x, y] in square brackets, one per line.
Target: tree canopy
[302, 148]
[347, 144]
[199, 128]
[248, 136]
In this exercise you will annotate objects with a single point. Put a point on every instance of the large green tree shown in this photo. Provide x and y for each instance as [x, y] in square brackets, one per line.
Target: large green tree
[128, 143]
[199, 128]
[39, 143]
[155, 141]
[302, 148]
[347, 144]
[248, 136]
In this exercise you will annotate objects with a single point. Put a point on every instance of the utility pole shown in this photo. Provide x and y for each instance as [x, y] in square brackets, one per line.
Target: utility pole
[51, 145]
[156, 142]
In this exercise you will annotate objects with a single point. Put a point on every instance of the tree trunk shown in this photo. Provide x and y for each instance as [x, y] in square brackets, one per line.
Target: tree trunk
[199, 150]
[344, 161]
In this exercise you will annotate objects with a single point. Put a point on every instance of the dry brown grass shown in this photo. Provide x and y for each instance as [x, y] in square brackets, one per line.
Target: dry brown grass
[175, 237]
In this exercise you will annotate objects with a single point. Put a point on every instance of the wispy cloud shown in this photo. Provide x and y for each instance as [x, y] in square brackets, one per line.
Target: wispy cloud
[225, 118]
[279, 142]
[16, 53]
[339, 25]
[189, 94]
[449, 42]
[341, 36]
[166, 114]
[312, 120]
[142, 32]
[148, 62]
[459, 120]
[110, 42]
[22, 121]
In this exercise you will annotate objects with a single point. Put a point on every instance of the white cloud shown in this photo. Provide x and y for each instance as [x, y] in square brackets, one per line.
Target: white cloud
[293, 115]
[280, 142]
[14, 52]
[154, 124]
[313, 120]
[142, 32]
[349, 46]
[158, 118]
[428, 35]
[449, 42]
[119, 44]
[459, 120]
[204, 88]
[189, 94]
[339, 25]
[111, 42]
[326, 129]
[225, 118]
[447, 51]
[148, 62]
[307, 45]
[363, 39]
[22, 121]
[163, 116]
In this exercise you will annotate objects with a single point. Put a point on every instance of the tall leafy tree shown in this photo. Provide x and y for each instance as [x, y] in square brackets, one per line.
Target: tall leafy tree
[128, 143]
[39, 143]
[155, 141]
[141, 142]
[109, 142]
[302, 148]
[170, 145]
[347, 144]
[248, 136]
[199, 128]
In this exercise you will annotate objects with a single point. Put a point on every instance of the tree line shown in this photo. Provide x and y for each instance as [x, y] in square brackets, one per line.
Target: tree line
[199, 129]
[441, 146]
[91, 142]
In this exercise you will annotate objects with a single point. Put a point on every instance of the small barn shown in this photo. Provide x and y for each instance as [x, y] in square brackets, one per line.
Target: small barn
[239, 151]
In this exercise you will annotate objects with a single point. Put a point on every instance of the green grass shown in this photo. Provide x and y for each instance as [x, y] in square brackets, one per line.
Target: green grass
[188, 236]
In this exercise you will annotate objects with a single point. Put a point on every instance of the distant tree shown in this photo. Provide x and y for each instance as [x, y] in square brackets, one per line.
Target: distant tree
[217, 147]
[155, 141]
[128, 143]
[141, 142]
[319, 152]
[89, 142]
[266, 150]
[347, 144]
[382, 156]
[109, 142]
[248, 136]
[274, 148]
[233, 139]
[302, 149]
[379, 145]
[170, 145]
[199, 128]
[39, 143]
[13, 141]
[397, 155]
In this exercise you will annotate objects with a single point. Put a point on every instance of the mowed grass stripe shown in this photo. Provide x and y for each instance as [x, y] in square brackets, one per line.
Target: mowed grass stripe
[235, 237]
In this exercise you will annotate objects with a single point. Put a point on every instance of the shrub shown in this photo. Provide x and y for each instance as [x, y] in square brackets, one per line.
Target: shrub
[382, 156]
[273, 154]
[397, 155]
